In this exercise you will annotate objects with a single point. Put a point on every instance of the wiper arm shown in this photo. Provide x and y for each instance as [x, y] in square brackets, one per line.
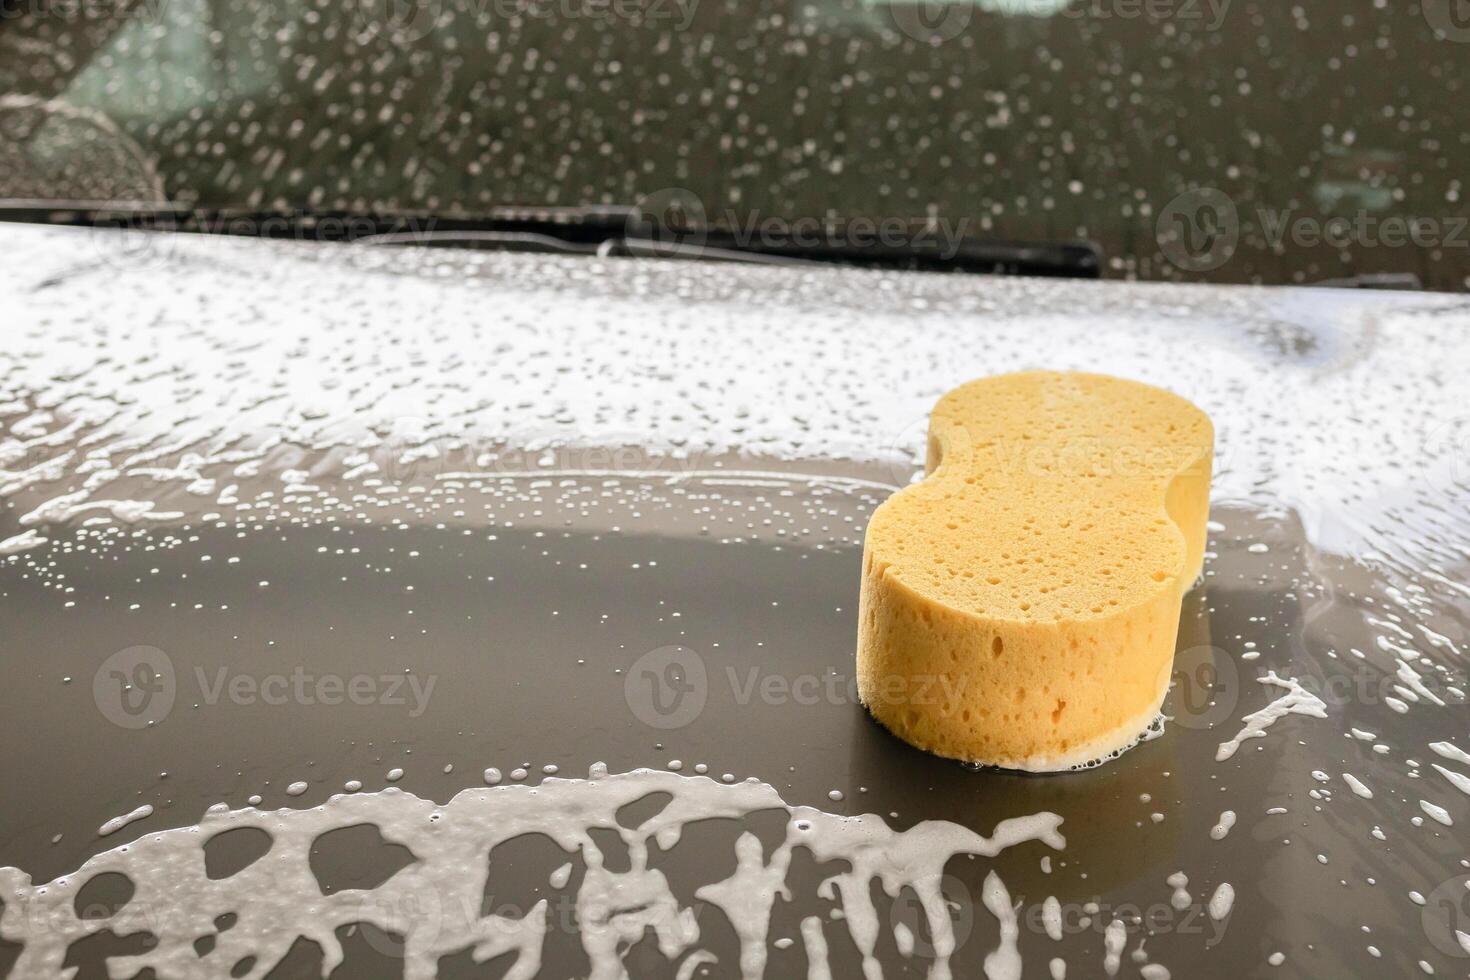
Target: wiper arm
[594, 230]
[617, 230]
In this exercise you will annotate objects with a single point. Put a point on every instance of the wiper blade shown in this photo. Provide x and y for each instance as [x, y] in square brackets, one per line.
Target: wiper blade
[613, 230]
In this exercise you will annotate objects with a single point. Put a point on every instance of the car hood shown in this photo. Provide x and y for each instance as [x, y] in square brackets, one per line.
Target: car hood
[153, 370]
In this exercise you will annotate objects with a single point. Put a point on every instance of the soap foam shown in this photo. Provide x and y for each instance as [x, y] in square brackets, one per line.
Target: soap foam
[435, 903]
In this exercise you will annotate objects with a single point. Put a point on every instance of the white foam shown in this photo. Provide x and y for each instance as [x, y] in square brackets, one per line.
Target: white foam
[1296, 701]
[1223, 825]
[1451, 751]
[1180, 899]
[1457, 780]
[118, 823]
[435, 902]
[1004, 963]
[1222, 901]
[1436, 812]
[815, 945]
[23, 541]
[1051, 917]
[1114, 936]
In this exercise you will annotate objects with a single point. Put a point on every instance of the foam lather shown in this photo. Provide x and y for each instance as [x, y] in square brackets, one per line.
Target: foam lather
[1020, 605]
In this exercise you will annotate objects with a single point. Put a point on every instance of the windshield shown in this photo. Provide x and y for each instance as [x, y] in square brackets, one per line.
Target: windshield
[1189, 139]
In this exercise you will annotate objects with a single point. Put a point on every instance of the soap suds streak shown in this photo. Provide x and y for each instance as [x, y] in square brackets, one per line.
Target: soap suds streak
[1222, 901]
[1051, 918]
[1450, 751]
[1459, 781]
[23, 541]
[1114, 937]
[1436, 813]
[1296, 701]
[435, 902]
[1180, 899]
[118, 823]
[1004, 963]
[1223, 825]
[815, 945]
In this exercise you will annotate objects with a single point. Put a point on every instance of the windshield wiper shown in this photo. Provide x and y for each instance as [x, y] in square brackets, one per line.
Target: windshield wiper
[613, 230]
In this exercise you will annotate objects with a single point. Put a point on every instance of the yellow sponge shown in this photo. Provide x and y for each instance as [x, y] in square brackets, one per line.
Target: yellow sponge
[1020, 604]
